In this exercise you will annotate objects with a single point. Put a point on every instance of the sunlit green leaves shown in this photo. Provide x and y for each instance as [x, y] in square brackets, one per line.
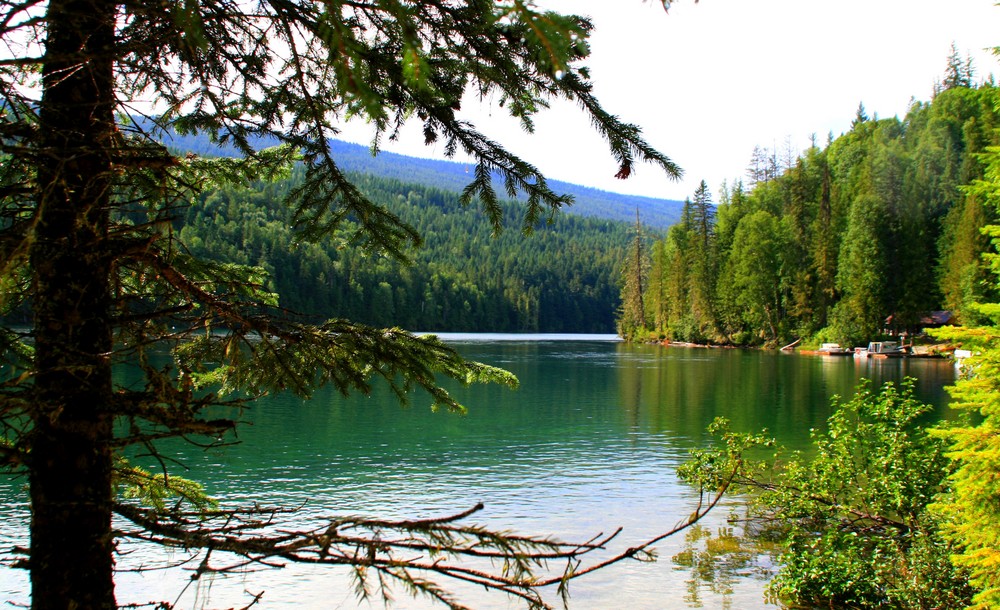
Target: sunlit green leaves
[853, 512]
[728, 462]
[159, 491]
[970, 513]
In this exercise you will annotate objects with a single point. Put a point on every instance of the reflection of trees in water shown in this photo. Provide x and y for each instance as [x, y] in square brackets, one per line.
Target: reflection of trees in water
[680, 390]
[718, 561]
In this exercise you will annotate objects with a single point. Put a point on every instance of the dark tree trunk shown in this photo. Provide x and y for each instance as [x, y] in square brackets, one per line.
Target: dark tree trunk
[70, 462]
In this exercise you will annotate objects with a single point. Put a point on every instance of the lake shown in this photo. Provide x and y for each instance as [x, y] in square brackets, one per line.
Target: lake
[590, 442]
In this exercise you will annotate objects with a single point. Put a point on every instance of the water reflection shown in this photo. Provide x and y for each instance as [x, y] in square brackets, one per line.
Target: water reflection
[719, 561]
[679, 391]
[590, 442]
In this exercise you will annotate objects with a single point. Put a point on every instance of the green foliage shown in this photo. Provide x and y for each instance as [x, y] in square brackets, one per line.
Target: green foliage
[675, 277]
[96, 255]
[860, 530]
[300, 357]
[753, 272]
[679, 301]
[863, 277]
[156, 490]
[632, 321]
[970, 514]
[726, 465]
[563, 278]
[879, 223]
[854, 512]
[655, 298]
[964, 280]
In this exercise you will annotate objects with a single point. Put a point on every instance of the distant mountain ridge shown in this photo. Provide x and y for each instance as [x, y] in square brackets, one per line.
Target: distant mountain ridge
[453, 176]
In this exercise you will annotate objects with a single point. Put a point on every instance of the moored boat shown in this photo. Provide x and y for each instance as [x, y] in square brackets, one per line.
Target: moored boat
[833, 349]
[885, 349]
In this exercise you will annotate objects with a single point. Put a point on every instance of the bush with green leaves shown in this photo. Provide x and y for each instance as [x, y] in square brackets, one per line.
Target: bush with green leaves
[853, 511]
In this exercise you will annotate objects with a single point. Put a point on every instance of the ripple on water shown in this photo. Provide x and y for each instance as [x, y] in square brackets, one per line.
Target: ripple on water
[588, 444]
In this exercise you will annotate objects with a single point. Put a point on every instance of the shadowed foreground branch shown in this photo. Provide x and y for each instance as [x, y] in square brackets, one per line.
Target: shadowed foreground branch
[417, 555]
[93, 265]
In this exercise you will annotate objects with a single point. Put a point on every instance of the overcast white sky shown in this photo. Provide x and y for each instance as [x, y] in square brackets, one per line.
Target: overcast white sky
[709, 81]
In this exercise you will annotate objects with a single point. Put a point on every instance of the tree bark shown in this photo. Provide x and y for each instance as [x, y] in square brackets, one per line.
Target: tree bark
[70, 464]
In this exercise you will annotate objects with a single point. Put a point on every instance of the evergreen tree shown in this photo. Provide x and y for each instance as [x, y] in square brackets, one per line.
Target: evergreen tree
[572, 262]
[860, 116]
[797, 189]
[970, 511]
[756, 262]
[701, 260]
[632, 315]
[763, 166]
[964, 279]
[86, 244]
[958, 72]
[702, 215]
[876, 224]
[823, 245]
[733, 207]
[678, 284]
[863, 273]
[656, 295]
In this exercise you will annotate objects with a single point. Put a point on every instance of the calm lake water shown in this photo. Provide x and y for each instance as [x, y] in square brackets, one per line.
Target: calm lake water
[590, 442]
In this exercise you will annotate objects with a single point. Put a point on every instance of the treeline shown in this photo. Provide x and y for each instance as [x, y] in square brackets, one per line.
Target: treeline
[452, 176]
[842, 243]
[562, 278]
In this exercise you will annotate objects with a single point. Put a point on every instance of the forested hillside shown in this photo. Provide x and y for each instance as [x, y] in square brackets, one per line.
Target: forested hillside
[562, 278]
[830, 245]
[452, 176]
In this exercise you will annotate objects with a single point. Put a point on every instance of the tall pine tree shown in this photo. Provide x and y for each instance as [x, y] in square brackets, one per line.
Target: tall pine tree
[86, 242]
[632, 313]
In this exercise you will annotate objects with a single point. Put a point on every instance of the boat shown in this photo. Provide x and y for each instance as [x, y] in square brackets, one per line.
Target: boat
[884, 349]
[833, 349]
[961, 355]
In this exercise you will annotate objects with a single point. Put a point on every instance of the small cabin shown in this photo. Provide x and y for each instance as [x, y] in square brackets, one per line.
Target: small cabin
[895, 325]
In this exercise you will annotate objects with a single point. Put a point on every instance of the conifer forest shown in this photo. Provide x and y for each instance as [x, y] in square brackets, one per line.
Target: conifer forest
[825, 244]
[561, 278]
[862, 234]
[183, 237]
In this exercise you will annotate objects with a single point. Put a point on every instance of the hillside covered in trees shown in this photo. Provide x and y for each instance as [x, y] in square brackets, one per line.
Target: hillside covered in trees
[453, 176]
[562, 278]
[831, 244]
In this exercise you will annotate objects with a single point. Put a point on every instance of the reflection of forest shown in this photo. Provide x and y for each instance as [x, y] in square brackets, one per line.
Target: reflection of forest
[718, 560]
[574, 396]
[680, 390]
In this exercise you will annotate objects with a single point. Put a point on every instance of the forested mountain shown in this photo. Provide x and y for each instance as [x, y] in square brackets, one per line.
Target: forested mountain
[452, 176]
[878, 223]
[562, 278]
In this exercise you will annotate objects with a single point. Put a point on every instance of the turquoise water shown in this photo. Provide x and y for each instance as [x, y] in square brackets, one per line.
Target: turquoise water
[588, 443]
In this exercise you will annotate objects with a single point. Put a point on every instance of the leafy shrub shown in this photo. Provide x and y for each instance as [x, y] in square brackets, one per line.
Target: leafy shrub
[854, 510]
